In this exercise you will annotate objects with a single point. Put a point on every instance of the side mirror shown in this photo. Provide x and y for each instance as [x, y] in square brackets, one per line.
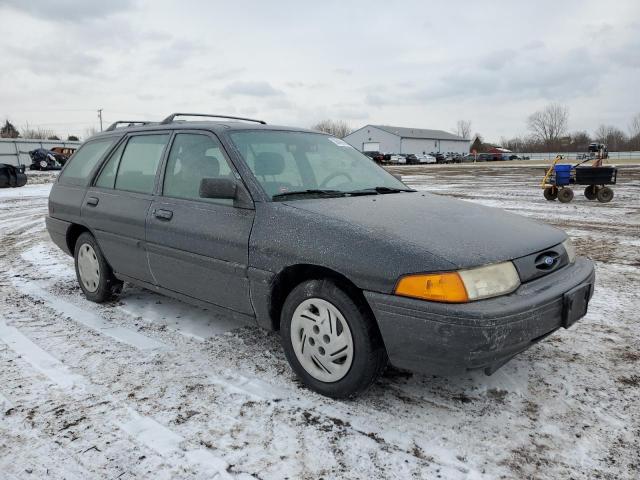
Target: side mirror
[226, 188]
[218, 188]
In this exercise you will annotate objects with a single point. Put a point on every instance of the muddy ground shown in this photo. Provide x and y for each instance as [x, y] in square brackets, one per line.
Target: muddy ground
[148, 387]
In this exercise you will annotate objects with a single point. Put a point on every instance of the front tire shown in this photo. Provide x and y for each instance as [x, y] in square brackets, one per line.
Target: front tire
[591, 192]
[605, 195]
[94, 274]
[565, 195]
[330, 340]
[551, 193]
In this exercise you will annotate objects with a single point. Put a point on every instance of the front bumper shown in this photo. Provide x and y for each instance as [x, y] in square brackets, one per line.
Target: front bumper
[443, 339]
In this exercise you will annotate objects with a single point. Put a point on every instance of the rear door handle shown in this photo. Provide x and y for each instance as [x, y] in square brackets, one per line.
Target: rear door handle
[93, 201]
[163, 214]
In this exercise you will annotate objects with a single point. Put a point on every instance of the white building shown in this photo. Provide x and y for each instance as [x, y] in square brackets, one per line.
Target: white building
[386, 139]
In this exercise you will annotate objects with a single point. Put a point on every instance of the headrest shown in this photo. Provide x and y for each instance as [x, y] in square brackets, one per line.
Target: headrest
[207, 167]
[269, 163]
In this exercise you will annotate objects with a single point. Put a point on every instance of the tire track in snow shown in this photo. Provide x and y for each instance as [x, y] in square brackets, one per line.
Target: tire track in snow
[87, 318]
[144, 429]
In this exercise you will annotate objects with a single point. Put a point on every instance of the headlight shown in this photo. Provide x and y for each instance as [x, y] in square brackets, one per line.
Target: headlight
[571, 252]
[462, 286]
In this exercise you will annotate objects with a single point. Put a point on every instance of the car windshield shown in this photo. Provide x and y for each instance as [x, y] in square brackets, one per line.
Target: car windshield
[288, 163]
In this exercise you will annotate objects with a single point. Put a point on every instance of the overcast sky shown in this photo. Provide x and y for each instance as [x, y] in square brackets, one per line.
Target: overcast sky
[416, 64]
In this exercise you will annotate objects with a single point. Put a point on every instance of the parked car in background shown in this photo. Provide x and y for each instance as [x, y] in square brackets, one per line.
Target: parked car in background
[43, 159]
[484, 157]
[375, 156]
[455, 157]
[397, 158]
[440, 158]
[424, 158]
[205, 211]
[64, 151]
[469, 157]
[411, 159]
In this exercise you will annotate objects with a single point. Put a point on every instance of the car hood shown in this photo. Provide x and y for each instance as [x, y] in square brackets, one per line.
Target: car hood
[462, 233]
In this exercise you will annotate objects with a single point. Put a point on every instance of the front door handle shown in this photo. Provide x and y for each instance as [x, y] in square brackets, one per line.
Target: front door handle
[92, 201]
[163, 214]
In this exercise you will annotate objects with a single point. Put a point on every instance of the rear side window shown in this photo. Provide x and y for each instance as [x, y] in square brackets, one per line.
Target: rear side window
[139, 163]
[84, 161]
[107, 177]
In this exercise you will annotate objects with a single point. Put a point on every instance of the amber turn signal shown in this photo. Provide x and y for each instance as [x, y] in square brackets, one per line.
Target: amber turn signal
[438, 287]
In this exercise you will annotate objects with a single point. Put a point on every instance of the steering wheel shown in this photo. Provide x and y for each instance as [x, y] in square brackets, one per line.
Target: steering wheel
[335, 175]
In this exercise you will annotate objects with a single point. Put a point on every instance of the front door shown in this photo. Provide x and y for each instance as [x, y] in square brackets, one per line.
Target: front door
[116, 206]
[199, 247]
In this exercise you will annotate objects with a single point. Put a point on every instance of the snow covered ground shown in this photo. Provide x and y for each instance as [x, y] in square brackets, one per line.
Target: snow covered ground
[149, 387]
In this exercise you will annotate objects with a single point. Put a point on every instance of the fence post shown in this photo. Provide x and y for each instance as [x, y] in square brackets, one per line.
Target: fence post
[15, 144]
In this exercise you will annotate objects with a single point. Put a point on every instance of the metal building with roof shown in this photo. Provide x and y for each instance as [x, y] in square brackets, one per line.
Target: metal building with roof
[388, 139]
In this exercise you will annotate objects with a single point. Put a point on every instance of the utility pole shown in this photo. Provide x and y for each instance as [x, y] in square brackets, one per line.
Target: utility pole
[100, 117]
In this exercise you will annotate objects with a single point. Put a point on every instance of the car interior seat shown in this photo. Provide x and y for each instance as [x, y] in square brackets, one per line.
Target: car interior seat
[270, 164]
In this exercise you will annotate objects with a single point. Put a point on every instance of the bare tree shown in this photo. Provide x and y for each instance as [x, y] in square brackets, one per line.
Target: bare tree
[634, 127]
[613, 137]
[549, 124]
[37, 133]
[337, 128]
[463, 129]
[634, 133]
[90, 132]
[477, 144]
[579, 141]
[8, 130]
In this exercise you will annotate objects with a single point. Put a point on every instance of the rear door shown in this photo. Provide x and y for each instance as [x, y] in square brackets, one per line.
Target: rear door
[199, 247]
[116, 206]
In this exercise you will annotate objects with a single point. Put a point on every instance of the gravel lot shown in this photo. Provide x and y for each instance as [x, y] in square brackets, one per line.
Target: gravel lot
[149, 387]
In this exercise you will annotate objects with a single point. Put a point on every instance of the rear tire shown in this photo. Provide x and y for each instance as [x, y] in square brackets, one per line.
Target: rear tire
[330, 339]
[605, 195]
[94, 274]
[551, 193]
[565, 195]
[591, 192]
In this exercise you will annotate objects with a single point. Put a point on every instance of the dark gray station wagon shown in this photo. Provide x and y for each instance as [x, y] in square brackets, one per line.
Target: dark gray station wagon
[301, 233]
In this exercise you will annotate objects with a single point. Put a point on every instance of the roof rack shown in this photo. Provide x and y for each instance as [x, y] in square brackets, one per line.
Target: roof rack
[130, 123]
[171, 117]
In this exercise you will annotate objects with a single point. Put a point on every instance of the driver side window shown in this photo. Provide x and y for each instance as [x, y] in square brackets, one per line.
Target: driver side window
[192, 158]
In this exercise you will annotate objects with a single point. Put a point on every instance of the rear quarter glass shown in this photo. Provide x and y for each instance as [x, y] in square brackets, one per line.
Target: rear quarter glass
[79, 168]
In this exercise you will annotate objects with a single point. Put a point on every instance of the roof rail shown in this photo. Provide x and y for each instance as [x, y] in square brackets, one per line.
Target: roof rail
[130, 123]
[171, 117]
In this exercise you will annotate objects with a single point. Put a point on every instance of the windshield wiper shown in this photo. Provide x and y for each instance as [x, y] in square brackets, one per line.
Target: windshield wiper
[314, 191]
[379, 190]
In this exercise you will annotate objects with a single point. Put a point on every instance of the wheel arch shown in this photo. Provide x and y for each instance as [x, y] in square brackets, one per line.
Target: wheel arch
[73, 232]
[290, 277]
